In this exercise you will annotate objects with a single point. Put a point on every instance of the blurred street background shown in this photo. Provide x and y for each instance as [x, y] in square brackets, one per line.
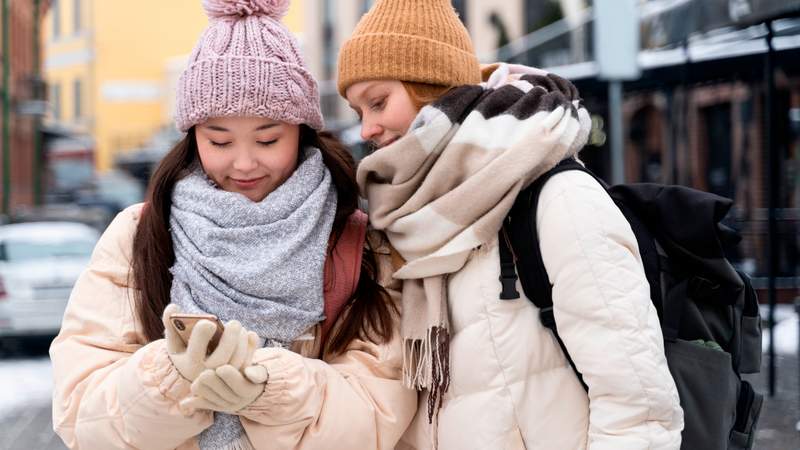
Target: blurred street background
[702, 93]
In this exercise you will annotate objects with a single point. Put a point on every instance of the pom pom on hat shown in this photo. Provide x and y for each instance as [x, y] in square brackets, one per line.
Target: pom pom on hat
[275, 9]
[247, 63]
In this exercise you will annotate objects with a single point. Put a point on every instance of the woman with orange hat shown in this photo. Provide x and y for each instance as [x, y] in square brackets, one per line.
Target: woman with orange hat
[454, 147]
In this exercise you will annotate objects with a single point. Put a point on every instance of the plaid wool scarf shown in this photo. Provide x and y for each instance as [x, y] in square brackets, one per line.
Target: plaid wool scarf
[444, 188]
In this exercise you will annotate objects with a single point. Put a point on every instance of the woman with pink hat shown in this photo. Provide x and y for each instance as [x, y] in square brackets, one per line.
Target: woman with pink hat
[252, 217]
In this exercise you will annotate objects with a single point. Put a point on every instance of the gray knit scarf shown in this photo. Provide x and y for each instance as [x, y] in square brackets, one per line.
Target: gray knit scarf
[260, 263]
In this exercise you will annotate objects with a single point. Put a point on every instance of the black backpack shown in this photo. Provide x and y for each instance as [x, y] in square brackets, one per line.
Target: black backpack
[708, 311]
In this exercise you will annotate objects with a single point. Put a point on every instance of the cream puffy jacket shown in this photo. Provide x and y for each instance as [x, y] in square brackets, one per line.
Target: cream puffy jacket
[511, 386]
[114, 390]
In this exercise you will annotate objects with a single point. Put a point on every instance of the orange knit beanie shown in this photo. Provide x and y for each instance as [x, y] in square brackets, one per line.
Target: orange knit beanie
[409, 40]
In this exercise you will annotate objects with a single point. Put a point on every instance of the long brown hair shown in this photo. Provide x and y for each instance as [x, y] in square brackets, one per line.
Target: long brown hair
[370, 310]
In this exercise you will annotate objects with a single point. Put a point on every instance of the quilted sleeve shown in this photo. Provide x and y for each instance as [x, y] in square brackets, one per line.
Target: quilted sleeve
[605, 316]
[111, 389]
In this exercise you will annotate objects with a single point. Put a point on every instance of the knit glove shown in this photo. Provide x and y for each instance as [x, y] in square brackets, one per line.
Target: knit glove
[236, 346]
[227, 389]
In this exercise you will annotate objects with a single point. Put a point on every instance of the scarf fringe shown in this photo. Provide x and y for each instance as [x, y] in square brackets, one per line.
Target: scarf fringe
[426, 365]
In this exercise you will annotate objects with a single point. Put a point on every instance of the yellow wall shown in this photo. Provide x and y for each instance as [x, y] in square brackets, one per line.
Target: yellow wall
[67, 59]
[130, 43]
[294, 18]
[135, 38]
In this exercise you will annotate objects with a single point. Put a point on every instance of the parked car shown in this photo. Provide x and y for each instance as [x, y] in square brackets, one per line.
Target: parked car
[39, 264]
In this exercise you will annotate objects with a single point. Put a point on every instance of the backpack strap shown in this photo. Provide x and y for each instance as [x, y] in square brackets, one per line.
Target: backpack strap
[519, 247]
[519, 232]
[343, 268]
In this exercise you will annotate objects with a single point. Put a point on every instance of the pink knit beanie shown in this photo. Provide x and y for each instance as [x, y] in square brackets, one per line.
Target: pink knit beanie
[247, 64]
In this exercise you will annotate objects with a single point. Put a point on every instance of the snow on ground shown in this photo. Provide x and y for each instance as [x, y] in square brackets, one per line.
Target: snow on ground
[786, 330]
[25, 383]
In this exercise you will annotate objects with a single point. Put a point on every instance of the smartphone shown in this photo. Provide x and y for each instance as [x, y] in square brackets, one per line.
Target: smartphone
[185, 323]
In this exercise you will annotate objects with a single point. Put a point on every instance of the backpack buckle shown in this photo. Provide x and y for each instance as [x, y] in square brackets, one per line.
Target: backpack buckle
[509, 284]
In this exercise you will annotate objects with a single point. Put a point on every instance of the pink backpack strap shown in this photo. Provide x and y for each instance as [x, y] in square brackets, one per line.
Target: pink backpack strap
[342, 269]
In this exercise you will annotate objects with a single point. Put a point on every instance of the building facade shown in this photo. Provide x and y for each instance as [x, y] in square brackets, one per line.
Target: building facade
[713, 136]
[716, 111]
[105, 66]
[25, 93]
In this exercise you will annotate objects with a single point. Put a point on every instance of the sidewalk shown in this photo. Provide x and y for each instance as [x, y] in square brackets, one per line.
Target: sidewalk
[31, 428]
[780, 414]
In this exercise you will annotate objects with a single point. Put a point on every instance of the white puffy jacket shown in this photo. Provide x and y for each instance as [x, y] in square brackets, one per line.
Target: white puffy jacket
[511, 386]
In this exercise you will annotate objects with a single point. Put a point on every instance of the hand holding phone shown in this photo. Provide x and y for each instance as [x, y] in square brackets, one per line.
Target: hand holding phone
[184, 324]
[196, 342]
